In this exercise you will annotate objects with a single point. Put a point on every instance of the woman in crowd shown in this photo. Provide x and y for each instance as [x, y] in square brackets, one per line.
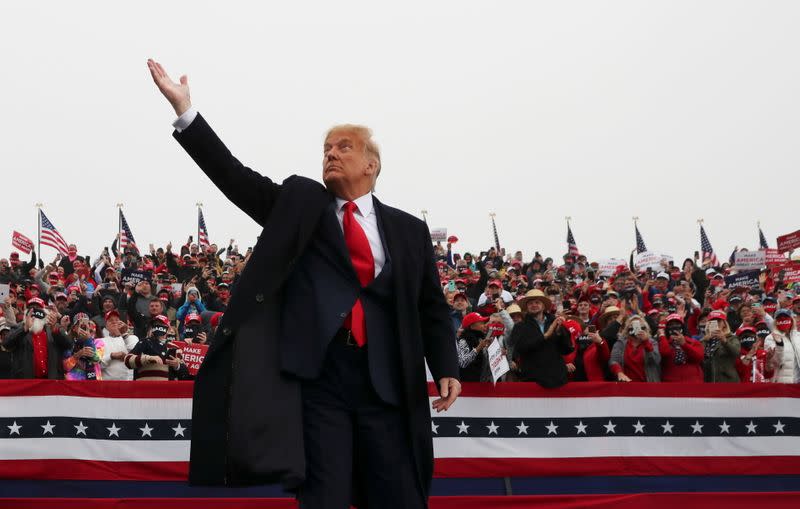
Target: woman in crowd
[681, 356]
[591, 356]
[635, 356]
[785, 334]
[720, 350]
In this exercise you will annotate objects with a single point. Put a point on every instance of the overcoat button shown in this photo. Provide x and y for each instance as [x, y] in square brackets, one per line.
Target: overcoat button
[343, 315]
[226, 331]
[259, 297]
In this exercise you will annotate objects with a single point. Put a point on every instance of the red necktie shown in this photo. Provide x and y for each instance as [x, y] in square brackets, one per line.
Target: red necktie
[364, 263]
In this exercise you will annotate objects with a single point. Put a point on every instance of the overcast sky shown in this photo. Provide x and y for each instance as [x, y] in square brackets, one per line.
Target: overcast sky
[669, 111]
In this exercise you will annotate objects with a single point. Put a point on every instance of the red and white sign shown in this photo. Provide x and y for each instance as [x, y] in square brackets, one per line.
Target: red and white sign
[22, 242]
[609, 266]
[193, 355]
[773, 257]
[789, 241]
[438, 234]
[791, 275]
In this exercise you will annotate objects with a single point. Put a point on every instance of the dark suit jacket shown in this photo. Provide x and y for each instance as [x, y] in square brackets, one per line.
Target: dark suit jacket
[247, 422]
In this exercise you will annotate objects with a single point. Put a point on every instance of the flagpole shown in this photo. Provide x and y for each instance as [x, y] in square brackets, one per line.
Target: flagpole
[494, 231]
[199, 206]
[39, 230]
[119, 227]
[424, 215]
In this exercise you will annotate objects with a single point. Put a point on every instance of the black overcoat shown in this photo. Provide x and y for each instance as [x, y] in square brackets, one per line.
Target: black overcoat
[246, 418]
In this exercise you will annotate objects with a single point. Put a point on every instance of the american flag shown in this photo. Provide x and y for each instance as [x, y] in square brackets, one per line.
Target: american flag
[705, 247]
[202, 232]
[640, 247]
[572, 247]
[125, 235]
[762, 240]
[49, 235]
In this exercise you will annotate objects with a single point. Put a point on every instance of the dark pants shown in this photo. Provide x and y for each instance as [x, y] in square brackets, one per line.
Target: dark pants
[357, 447]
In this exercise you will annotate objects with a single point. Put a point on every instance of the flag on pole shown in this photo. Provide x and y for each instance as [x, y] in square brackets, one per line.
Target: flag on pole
[496, 238]
[640, 247]
[50, 236]
[202, 232]
[125, 235]
[705, 247]
[762, 240]
[572, 247]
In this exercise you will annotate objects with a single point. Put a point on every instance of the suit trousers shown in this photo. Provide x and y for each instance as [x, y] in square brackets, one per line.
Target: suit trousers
[357, 447]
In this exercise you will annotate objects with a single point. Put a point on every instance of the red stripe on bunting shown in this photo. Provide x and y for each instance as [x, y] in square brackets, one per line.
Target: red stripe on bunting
[94, 389]
[86, 470]
[614, 466]
[634, 390]
[622, 501]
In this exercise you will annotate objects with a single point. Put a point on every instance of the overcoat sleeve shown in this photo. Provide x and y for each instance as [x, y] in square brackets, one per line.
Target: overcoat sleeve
[252, 192]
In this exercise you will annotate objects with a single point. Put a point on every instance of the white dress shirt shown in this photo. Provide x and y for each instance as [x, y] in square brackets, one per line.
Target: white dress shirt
[365, 213]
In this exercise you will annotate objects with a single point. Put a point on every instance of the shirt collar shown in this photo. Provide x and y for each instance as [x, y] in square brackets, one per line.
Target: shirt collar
[364, 204]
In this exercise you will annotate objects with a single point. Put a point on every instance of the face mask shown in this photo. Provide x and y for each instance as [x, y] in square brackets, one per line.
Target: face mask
[584, 341]
[38, 313]
[747, 342]
[784, 324]
[188, 332]
[770, 308]
[159, 331]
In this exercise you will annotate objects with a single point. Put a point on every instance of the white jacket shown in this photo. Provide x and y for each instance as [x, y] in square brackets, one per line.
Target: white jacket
[789, 370]
[114, 369]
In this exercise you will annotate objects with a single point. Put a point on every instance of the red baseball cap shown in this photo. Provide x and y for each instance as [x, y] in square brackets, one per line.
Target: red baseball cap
[472, 319]
[192, 317]
[35, 301]
[462, 295]
[110, 313]
[160, 319]
[717, 315]
[675, 317]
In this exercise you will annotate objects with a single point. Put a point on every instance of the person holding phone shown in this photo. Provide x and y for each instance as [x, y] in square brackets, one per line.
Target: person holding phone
[39, 343]
[681, 356]
[635, 356]
[720, 350]
[83, 361]
[591, 356]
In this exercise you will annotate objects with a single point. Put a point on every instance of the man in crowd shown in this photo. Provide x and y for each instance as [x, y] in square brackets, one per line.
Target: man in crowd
[39, 343]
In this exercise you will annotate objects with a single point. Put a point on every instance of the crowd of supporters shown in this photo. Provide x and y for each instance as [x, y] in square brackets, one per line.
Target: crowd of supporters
[127, 315]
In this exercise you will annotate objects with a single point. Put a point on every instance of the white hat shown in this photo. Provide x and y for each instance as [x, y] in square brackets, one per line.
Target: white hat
[662, 275]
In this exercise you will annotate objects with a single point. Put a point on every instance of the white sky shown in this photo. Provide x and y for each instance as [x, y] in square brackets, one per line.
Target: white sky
[669, 111]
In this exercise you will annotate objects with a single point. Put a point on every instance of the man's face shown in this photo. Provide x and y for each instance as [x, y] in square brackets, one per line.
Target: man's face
[661, 283]
[460, 304]
[155, 307]
[583, 307]
[112, 324]
[108, 305]
[61, 305]
[345, 162]
[72, 250]
[535, 306]
[4, 266]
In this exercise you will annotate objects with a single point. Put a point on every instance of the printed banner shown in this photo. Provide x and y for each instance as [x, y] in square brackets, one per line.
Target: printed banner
[193, 355]
[791, 275]
[134, 277]
[650, 260]
[749, 260]
[747, 279]
[21, 242]
[439, 234]
[789, 241]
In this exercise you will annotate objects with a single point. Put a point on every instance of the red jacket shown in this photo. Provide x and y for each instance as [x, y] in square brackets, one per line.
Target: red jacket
[691, 370]
[595, 361]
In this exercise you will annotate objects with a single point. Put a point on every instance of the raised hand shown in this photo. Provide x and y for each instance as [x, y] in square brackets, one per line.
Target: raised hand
[176, 93]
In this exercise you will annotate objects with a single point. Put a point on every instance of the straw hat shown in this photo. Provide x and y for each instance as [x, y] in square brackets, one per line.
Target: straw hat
[535, 295]
[606, 316]
[513, 308]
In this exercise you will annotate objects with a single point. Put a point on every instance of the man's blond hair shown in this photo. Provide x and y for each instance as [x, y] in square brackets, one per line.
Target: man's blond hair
[363, 133]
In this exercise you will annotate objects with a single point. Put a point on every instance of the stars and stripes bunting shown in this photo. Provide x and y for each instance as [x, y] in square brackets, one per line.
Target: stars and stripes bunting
[50, 236]
[125, 235]
[142, 431]
[705, 247]
[202, 232]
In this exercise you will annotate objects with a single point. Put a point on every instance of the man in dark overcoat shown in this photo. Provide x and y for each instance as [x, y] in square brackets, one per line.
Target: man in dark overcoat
[333, 405]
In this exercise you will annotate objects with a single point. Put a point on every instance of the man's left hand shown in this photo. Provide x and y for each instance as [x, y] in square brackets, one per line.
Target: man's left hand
[449, 388]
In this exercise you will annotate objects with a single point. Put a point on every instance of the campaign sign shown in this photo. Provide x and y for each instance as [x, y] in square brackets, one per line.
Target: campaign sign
[609, 266]
[193, 355]
[789, 241]
[134, 277]
[773, 257]
[791, 275]
[749, 260]
[747, 279]
[649, 260]
[21, 242]
[498, 362]
[439, 234]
